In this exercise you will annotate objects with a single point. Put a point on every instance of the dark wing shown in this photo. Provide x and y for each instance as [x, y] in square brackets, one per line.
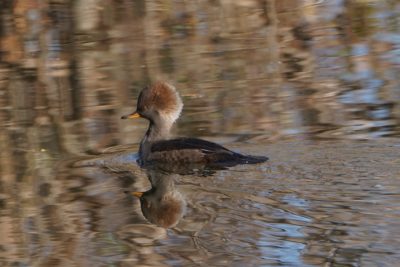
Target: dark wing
[198, 150]
[187, 143]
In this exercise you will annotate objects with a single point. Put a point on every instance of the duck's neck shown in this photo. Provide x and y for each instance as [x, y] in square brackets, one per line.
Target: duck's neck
[158, 130]
[163, 184]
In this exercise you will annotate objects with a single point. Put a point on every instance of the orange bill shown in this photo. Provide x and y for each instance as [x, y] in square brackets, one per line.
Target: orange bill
[137, 194]
[134, 115]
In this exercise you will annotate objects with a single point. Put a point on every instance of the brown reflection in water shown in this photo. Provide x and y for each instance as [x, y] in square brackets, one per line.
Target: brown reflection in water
[255, 71]
[75, 216]
[162, 204]
[269, 68]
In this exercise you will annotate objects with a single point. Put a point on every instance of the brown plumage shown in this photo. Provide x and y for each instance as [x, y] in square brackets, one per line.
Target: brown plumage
[159, 96]
[162, 105]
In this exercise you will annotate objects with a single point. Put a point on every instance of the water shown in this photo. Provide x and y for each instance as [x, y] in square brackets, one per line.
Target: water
[311, 84]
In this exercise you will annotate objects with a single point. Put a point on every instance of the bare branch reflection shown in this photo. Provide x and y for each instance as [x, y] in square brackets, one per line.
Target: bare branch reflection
[304, 82]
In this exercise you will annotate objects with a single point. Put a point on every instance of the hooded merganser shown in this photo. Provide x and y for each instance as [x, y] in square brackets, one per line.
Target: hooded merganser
[161, 105]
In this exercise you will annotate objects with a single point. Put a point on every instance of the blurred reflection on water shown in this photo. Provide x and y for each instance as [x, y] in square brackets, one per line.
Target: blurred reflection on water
[280, 78]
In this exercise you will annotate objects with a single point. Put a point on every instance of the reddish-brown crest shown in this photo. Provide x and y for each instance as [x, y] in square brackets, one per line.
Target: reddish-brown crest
[160, 96]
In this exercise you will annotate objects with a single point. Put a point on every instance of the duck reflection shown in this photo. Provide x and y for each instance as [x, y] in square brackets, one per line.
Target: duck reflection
[163, 204]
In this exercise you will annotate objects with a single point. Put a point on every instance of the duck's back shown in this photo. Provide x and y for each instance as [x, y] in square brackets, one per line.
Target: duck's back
[193, 150]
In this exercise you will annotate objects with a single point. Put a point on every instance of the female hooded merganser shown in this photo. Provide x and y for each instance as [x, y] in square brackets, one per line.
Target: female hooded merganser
[161, 105]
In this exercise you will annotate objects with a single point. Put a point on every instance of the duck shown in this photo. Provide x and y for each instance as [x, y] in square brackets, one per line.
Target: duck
[161, 104]
[162, 205]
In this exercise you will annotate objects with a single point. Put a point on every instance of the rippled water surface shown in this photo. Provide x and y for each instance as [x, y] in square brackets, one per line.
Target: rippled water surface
[313, 85]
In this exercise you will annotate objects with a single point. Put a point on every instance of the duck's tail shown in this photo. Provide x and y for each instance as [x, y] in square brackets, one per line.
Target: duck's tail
[248, 159]
[229, 160]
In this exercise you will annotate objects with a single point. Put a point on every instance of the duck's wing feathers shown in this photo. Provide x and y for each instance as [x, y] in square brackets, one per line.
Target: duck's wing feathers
[198, 150]
[187, 143]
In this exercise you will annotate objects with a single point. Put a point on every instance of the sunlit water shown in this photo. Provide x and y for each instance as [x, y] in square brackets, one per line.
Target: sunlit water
[313, 85]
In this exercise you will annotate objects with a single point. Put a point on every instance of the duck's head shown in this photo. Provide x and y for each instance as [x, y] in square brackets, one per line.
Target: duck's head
[163, 210]
[158, 102]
